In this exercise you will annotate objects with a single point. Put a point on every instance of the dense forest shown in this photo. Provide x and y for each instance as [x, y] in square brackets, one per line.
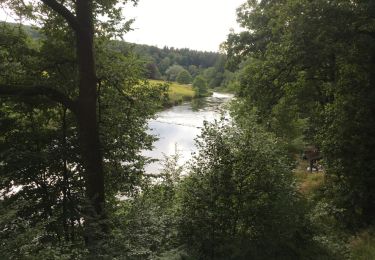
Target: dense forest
[75, 104]
[169, 64]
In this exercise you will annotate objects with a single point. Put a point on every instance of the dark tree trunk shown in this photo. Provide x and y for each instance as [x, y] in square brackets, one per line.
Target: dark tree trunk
[85, 109]
[88, 125]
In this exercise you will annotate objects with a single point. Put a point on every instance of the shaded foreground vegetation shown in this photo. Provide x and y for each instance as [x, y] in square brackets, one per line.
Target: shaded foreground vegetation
[73, 123]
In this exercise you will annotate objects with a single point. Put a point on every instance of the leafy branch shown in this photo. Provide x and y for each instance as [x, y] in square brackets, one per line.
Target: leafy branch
[27, 91]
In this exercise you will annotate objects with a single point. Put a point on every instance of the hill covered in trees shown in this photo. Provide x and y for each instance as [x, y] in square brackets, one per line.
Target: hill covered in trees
[73, 122]
[181, 65]
[168, 63]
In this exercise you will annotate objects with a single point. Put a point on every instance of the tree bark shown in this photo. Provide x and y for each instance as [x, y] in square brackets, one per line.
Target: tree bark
[85, 109]
[88, 125]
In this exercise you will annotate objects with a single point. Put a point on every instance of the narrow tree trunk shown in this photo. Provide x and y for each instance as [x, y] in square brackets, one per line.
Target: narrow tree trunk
[88, 125]
[65, 177]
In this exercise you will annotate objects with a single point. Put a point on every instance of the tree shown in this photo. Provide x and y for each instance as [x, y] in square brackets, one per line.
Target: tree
[164, 64]
[200, 86]
[193, 70]
[149, 221]
[173, 71]
[81, 96]
[184, 77]
[237, 193]
[152, 71]
[302, 71]
[39, 147]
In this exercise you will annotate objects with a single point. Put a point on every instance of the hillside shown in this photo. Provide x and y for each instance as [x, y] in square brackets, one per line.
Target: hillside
[168, 62]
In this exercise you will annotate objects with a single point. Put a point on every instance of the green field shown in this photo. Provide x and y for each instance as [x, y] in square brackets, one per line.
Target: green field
[177, 92]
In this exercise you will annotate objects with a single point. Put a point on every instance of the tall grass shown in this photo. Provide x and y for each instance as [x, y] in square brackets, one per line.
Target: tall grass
[307, 182]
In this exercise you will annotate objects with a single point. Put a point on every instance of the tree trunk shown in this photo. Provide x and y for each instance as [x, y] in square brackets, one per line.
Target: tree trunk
[88, 125]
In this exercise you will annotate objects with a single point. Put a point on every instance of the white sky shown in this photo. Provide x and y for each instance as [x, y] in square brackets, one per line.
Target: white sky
[194, 24]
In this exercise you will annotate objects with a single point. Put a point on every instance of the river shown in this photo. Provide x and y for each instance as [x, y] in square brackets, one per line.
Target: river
[178, 126]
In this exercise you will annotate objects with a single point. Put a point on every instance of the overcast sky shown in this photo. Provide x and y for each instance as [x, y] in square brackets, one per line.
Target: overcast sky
[194, 24]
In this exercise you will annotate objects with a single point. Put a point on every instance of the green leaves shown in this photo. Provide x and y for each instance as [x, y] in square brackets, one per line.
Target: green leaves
[200, 86]
[238, 191]
[307, 71]
[184, 77]
[42, 179]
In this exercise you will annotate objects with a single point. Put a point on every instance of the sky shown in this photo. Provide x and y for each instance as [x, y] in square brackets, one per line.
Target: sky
[195, 24]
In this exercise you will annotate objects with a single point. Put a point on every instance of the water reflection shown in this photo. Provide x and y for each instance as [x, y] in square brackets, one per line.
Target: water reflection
[180, 125]
[198, 104]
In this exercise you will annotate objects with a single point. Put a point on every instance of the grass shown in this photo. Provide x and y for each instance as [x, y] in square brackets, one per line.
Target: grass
[362, 246]
[177, 92]
[308, 182]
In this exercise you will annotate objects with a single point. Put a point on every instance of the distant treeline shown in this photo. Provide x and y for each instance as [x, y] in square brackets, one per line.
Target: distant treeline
[181, 65]
[171, 64]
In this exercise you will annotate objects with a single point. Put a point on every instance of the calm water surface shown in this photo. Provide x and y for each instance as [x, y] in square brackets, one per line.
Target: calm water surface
[177, 127]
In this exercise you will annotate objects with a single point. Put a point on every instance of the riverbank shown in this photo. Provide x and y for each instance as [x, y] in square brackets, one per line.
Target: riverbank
[177, 93]
[358, 246]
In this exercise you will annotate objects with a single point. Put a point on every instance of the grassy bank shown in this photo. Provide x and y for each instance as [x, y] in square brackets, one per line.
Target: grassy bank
[359, 246]
[177, 93]
[307, 182]
[362, 246]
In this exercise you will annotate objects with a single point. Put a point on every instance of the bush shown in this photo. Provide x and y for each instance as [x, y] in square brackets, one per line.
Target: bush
[200, 86]
[184, 77]
[239, 200]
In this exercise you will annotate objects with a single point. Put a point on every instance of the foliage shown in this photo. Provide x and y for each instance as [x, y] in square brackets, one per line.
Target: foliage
[210, 65]
[363, 246]
[176, 92]
[157, 61]
[238, 192]
[183, 57]
[147, 223]
[200, 86]
[305, 75]
[184, 77]
[306, 71]
[152, 71]
[173, 71]
[42, 180]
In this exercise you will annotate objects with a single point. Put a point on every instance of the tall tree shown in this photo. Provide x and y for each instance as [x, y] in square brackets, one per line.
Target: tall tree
[79, 18]
[309, 65]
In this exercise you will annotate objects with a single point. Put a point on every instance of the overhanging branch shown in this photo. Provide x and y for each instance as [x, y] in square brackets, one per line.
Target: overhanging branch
[64, 12]
[30, 91]
[369, 33]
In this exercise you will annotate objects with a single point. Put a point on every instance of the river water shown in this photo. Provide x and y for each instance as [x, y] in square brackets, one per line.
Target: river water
[177, 127]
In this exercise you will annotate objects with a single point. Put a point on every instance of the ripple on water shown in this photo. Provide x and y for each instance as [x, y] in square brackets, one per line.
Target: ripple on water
[177, 127]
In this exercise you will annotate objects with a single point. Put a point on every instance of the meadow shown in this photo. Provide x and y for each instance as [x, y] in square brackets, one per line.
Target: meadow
[177, 93]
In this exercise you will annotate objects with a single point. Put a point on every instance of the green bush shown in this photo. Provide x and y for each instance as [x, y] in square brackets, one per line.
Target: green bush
[239, 200]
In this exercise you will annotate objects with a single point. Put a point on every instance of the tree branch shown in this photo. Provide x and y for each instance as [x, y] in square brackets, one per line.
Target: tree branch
[64, 12]
[26, 91]
[369, 33]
